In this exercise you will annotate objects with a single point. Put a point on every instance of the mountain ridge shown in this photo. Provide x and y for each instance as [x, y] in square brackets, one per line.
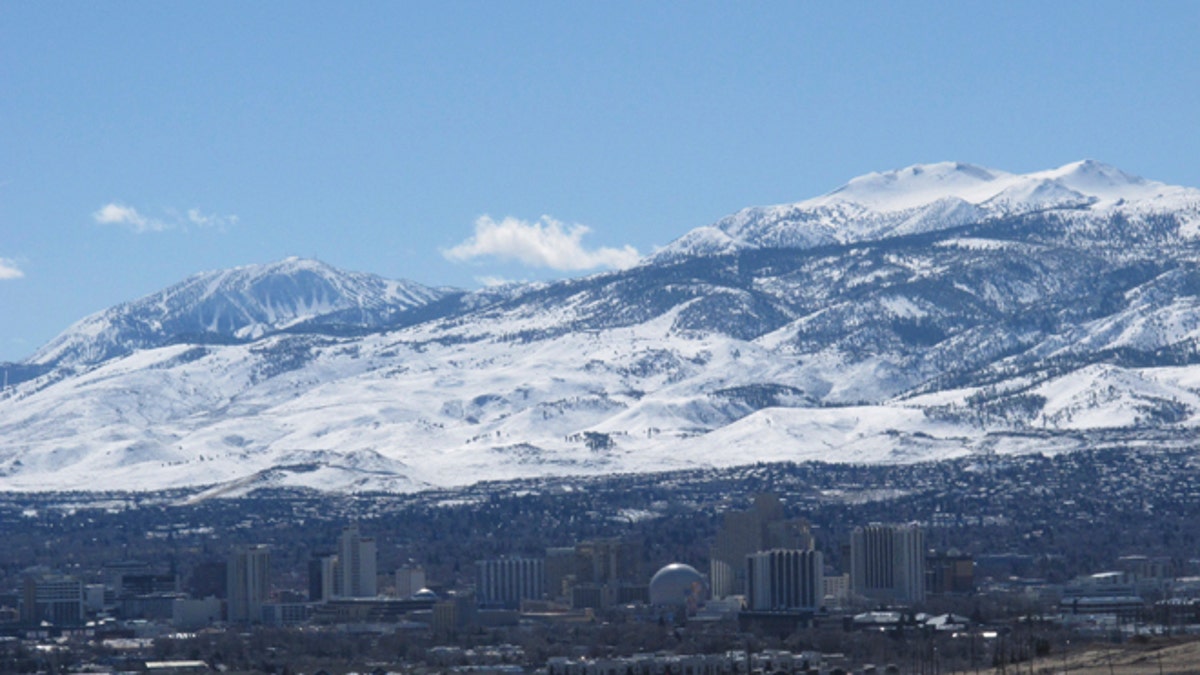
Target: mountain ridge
[1048, 329]
[235, 304]
[930, 197]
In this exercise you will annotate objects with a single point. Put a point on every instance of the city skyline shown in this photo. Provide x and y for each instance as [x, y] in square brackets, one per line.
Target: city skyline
[1005, 545]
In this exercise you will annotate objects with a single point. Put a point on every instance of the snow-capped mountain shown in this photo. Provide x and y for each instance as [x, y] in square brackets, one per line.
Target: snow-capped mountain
[931, 312]
[237, 304]
[931, 197]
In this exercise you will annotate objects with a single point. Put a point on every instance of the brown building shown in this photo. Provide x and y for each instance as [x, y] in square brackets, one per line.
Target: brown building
[949, 572]
[742, 533]
[595, 573]
[52, 598]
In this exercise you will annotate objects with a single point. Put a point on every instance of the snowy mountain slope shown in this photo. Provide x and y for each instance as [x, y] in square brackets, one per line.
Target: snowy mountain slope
[236, 304]
[397, 414]
[1015, 325]
[931, 197]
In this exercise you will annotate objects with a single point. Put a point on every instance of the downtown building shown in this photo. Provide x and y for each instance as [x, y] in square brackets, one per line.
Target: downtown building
[785, 580]
[249, 583]
[761, 528]
[887, 563]
[56, 599]
[505, 582]
[410, 580]
[324, 577]
[356, 565]
[595, 573]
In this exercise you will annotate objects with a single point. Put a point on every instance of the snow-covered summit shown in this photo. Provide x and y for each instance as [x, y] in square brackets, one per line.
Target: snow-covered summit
[237, 303]
[929, 197]
[919, 185]
[1063, 314]
[914, 186]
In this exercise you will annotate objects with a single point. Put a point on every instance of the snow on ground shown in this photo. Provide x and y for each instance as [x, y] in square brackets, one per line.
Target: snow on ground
[979, 244]
[930, 197]
[404, 412]
[1103, 396]
[513, 391]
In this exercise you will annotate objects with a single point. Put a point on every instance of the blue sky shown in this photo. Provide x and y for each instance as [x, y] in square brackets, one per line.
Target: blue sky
[141, 142]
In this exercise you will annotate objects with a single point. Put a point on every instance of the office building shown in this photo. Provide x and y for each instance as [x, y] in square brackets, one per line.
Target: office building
[949, 572]
[52, 598]
[887, 563]
[249, 583]
[189, 614]
[761, 528]
[560, 572]
[132, 585]
[785, 580]
[210, 579]
[324, 577]
[606, 561]
[837, 590]
[505, 582]
[356, 562]
[410, 580]
[595, 573]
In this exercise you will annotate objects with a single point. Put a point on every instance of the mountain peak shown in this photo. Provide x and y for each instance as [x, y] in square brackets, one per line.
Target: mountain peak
[1095, 168]
[920, 185]
[914, 186]
[930, 197]
[282, 266]
[1102, 181]
[237, 303]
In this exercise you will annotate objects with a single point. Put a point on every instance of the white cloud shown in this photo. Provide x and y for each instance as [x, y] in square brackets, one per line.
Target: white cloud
[115, 213]
[195, 217]
[119, 214]
[9, 269]
[545, 243]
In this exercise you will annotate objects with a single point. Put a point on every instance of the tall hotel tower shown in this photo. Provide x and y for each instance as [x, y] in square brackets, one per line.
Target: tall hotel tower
[356, 564]
[887, 563]
[249, 583]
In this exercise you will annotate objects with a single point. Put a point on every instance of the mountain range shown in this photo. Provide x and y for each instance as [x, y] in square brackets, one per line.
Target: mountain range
[935, 311]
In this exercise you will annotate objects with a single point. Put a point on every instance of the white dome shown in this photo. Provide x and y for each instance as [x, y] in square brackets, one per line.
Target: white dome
[677, 584]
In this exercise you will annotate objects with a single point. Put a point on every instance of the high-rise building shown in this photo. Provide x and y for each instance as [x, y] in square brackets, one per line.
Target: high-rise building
[454, 613]
[949, 572]
[595, 573]
[356, 561]
[409, 580]
[115, 573]
[561, 571]
[505, 582]
[887, 563]
[324, 577]
[52, 598]
[249, 583]
[606, 561]
[761, 528]
[210, 579]
[147, 584]
[785, 580]
[837, 589]
[1147, 567]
